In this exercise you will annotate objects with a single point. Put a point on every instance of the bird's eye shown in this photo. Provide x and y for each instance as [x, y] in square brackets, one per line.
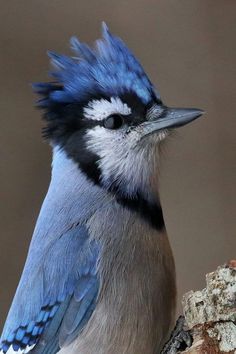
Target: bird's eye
[115, 121]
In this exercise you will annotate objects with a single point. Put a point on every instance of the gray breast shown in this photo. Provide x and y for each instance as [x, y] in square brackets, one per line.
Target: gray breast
[137, 297]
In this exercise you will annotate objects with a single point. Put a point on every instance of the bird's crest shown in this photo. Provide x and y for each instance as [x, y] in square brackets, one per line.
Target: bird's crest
[108, 69]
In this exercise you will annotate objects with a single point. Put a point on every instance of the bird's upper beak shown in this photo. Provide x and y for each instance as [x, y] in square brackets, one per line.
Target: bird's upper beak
[172, 118]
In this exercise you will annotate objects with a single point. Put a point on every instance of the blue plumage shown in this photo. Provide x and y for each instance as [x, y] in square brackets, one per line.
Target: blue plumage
[101, 228]
[108, 69]
[69, 277]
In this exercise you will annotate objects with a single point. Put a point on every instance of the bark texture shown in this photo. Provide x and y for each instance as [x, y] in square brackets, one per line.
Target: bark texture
[211, 313]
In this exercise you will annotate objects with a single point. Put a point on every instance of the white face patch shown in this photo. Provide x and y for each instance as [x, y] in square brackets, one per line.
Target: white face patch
[123, 161]
[100, 109]
[125, 158]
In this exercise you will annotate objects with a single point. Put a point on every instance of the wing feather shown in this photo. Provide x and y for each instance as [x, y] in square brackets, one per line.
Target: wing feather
[55, 299]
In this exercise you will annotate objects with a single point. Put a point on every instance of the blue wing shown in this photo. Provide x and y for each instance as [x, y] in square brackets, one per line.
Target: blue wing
[55, 299]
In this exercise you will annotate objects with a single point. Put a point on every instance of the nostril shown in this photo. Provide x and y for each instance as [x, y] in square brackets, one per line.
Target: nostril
[155, 112]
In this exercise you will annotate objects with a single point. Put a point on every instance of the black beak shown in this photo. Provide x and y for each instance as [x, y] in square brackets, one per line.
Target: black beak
[176, 117]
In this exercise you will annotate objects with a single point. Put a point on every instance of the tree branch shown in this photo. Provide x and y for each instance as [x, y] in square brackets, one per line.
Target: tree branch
[210, 314]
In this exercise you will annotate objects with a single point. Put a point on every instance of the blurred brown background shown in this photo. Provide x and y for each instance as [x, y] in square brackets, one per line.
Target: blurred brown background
[188, 48]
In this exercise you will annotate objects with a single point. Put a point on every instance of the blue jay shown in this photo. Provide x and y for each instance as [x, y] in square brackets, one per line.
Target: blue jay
[100, 276]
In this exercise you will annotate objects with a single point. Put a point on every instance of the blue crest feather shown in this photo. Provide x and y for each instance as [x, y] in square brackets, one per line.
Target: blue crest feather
[107, 69]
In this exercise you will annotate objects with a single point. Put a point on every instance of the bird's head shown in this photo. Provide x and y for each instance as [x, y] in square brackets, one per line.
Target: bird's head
[104, 112]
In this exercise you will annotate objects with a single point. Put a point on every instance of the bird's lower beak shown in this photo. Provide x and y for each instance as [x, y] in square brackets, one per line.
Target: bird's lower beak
[173, 118]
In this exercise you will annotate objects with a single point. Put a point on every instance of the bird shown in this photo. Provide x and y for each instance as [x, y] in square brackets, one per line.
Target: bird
[99, 277]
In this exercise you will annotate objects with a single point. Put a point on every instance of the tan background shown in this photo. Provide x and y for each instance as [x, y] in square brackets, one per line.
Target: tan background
[188, 47]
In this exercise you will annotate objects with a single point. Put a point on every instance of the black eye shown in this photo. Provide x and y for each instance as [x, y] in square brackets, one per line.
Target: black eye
[115, 121]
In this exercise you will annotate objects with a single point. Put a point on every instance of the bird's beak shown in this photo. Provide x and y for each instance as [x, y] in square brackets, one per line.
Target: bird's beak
[173, 118]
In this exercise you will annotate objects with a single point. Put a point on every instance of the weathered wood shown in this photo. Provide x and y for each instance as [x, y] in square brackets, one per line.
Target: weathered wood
[211, 313]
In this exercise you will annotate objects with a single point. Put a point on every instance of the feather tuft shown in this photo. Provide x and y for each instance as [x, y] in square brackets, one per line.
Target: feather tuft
[107, 69]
